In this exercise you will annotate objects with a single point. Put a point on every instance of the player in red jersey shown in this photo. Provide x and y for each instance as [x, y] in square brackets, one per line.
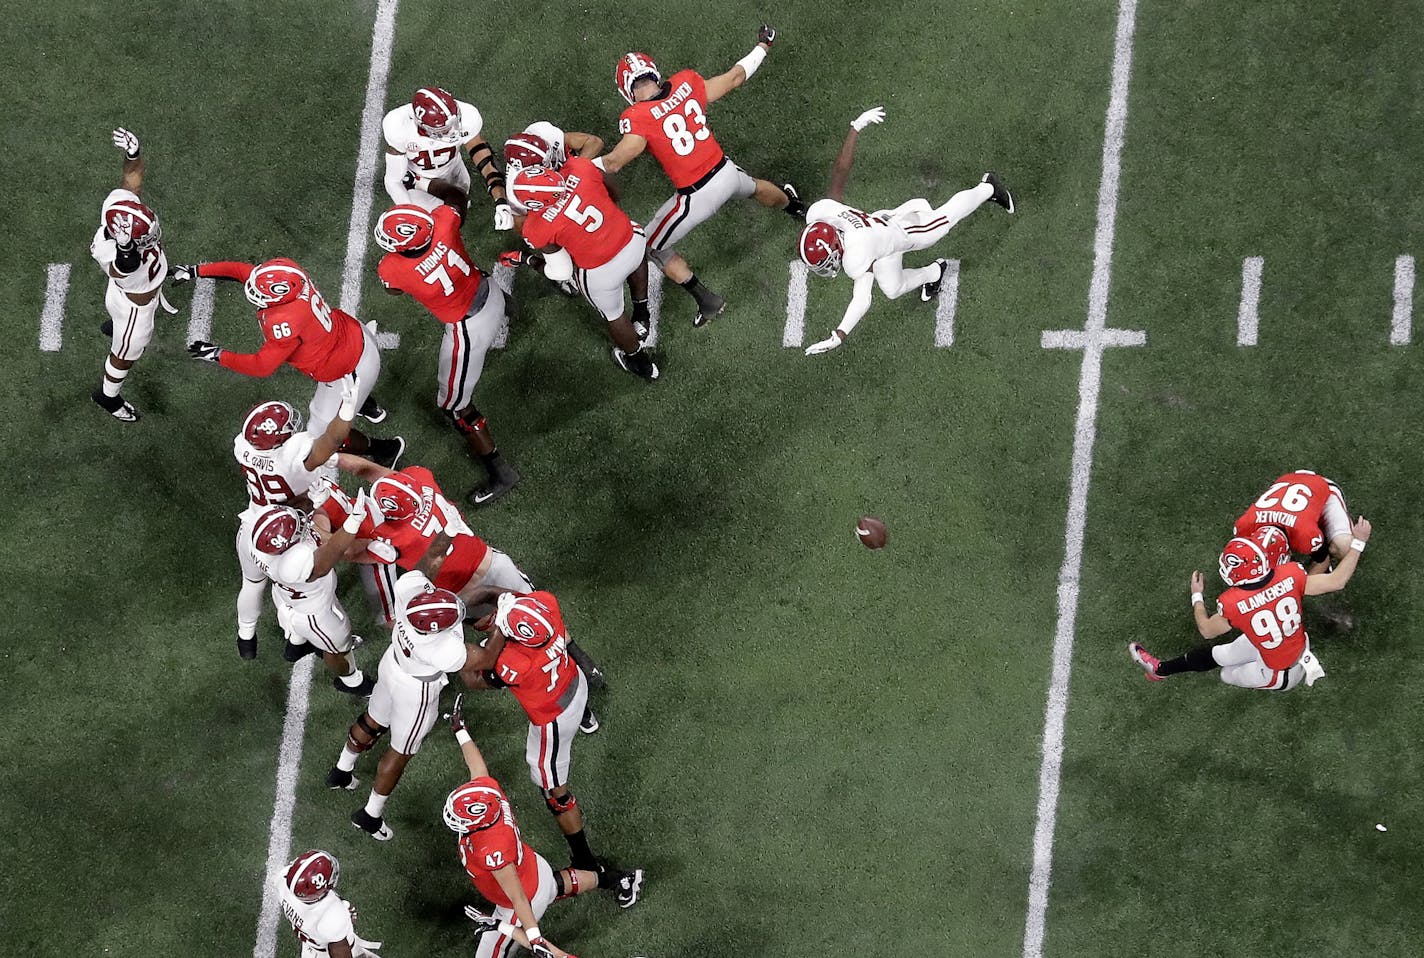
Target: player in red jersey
[578, 231]
[669, 118]
[1310, 510]
[517, 880]
[426, 259]
[299, 328]
[1265, 601]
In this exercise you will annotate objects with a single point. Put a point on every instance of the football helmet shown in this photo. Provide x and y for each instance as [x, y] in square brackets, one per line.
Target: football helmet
[311, 875]
[1243, 562]
[134, 219]
[270, 424]
[434, 610]
[437, 113]
[278, 528]
[528, 149]
[473, 807]
[395, 497]
[525, 620]
[404, 229]
[1274, 543]
[820, 249]
[632, 68]
[533, 188]
[274, 283]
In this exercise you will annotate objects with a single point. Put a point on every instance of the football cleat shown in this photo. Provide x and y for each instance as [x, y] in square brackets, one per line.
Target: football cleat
[1001, 194]
[707, 311]
[366, 686]
[638, 363]
[387, 452]
[371, 825]
[930, 291]
[246, 648]
[372, 411]
[116, 406]
[340, 778]
[589, 723]
[591, 669]
[296, 651]
[1147, 660]
[630, 888]
[504, 479]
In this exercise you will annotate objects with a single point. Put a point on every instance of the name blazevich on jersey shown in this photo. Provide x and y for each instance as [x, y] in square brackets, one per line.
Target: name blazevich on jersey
[673, 100]
[1267, 596]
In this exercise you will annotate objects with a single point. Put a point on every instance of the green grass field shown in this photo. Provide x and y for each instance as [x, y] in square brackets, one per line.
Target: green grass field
[813, 749]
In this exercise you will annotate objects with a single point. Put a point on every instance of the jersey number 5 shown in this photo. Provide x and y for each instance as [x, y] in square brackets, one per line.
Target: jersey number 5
[675, 128]
[589, 217]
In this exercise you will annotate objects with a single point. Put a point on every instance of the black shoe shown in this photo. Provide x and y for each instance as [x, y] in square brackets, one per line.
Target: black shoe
[296, 651]
[116, 406]
[381, 832]
[247, 648]
[504, 479]
[638, 363]
[569, 288]
[386, 452]
[338, 778]
[709, 309]
[930, 291]
[591, 669]
[359, 691]
[1002, 196]
[630, 887]
[589, 723]
[107, 327]
[372, 411]
[795, 207]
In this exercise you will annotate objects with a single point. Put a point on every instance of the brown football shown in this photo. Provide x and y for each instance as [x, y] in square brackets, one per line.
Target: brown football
[871, 532]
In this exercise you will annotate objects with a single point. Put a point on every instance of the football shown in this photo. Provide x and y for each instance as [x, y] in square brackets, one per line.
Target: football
[871, 532]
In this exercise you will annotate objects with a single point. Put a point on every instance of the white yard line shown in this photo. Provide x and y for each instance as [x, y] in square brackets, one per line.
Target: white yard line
[200, 311]
[387, 340]
[503, 277]
[1095, 339]
[1247, 318]
[944, 309]
[52, 315]
[1401, 327]
[655, 303]
[795, 331]
[290, 756]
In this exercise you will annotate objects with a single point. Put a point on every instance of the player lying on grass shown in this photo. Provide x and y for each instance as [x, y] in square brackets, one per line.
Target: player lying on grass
[323, 921]
[1265, 600]
[517, 880]
[869, 247]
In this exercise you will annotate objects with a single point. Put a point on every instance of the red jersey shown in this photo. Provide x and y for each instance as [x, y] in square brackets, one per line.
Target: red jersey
[1270, 614]
[675, 126]
[543, 680]
[411, 538]
[322, 342]
[1295, 503]
[444, 280]
[486, 851]
[585, 221]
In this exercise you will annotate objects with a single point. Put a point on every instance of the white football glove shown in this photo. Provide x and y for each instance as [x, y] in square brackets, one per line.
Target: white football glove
[121, 229]
[503, 216]
[183, 273]
[383, 550]
[126, 141]
[875, 114]
[349, 391]
[482, 921]
[353, 521]
[825, 345]
[319, 492]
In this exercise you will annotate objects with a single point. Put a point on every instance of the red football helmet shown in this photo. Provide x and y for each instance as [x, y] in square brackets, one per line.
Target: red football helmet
[311, 875]
[472, 807]
[404, 229]
[535, 187]
[1274, 543]
[527, 149]
[279, 527]
[275, 282]
[821, 249]
[1243, 562]
[437, 113]
[395, 496]
[270, 424]
[525, 620]
[134, 219]
[632, 68]
[434, 611]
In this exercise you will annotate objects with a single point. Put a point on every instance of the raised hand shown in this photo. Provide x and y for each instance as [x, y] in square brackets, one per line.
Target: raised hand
[875, 114]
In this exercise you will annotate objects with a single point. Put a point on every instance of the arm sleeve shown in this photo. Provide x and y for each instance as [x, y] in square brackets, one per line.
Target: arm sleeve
[395, 172]
[859, 304]
[226, 270]
[262, 363]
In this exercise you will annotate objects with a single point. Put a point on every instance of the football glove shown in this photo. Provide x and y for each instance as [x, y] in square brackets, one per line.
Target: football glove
[457, 724]
[767, 34]
[540, 947]
[383, 550]
[349, 392]
[126, 141]
[184, 273]
[121, 229]
[503, 216]
[825, 345]
[205, 352]
[319, 492]
[513, 258]
[875, 114]
[408, 181]
[352, 525]
[482, 921]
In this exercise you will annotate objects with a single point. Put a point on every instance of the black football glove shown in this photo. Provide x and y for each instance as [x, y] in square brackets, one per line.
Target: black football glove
[767, 34]
[204, 351]
[457, 718]
[184, 273]
[541, 948]
[408, 181]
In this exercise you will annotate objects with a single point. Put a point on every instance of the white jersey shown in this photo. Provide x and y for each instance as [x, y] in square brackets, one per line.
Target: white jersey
[553, 136]
[289, 572]
[423, 657]
[865, 237]
[429, 157]
[152, 265]
[277, 476]
[320, 923]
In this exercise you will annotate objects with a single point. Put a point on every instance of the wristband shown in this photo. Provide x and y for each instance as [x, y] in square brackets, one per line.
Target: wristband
[462, 736]
[752, 60]
[1197, 597]
[1357, 544]
[353, 523]
[599, 163]
[532, 933]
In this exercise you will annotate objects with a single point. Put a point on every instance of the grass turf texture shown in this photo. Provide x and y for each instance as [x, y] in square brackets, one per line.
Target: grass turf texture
[811, 747]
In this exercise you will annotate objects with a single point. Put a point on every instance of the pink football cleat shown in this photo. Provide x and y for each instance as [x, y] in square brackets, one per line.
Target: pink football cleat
[1147, 660]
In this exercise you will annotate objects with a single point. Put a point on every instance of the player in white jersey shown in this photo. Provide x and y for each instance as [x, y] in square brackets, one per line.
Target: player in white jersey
[870, 247]
[427, 643]
[423, 140]
[303, 574]
[323, 921]
[280, 464]
[129, 251]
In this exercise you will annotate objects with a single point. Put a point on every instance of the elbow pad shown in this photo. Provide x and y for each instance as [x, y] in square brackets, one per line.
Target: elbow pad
[752, 60]
[558, 266]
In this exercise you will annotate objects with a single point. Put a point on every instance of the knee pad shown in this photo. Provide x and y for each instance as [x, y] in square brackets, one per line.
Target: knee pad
[558, 805]
[469, 421]
[372, 730]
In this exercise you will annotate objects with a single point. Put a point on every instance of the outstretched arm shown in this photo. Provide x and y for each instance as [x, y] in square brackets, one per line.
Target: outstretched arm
[629, 148]
[840, 172]
[1208, 626]
[586, 145]
[1335, 580]
[741, 72]
[132, 177]
[855, 312]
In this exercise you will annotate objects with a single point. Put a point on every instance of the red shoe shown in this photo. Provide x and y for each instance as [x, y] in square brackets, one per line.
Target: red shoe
[1147, 660]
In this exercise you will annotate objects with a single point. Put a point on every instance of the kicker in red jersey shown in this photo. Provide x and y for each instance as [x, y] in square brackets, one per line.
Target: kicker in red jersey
[676, 129]
[1295, 503]
[585, 221]
[444, 280]
[1270, 615]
